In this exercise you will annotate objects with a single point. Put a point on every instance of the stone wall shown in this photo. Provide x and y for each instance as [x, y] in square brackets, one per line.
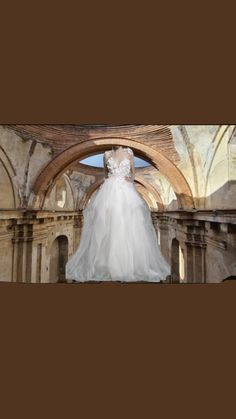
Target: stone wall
[27, 239]
[198, 243]
[206, 241]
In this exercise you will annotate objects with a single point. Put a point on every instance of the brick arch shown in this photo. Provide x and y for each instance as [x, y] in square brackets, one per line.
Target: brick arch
[144, 193]
[62, 162]
[11, 174]
[90, 191]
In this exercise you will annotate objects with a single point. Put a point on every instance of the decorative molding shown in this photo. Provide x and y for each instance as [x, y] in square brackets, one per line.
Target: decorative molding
[221, 244]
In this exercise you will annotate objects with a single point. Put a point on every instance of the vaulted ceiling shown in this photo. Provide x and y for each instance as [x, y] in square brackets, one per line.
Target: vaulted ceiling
[60, 137]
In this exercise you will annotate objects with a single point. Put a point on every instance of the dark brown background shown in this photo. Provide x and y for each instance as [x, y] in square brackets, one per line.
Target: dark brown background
[109, 350]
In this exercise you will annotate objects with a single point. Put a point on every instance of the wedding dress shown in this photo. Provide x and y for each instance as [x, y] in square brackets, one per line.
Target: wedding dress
[118, 241]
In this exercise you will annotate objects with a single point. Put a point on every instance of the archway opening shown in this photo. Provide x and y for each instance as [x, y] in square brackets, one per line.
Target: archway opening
[175, 265]
[96, 160]
[66, 159]
[58, 259]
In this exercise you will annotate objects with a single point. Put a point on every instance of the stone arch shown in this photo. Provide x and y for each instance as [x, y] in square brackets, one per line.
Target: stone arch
[145, 195]
[90, 191]
[153, 191]
[232, 157]
[90, 147]
[63, 183]
[68, 182]
[58, 258]
[222, 133]
[8, 191]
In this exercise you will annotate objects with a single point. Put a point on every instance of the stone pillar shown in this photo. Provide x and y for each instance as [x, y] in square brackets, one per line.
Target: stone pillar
[78, 226]
[164, 243]
[196, 263]
[199, 264]
[27, 252]
[175, 261]
[15, 260]
[189, 263]
[34, 271]
[155, 222]
[44, 265]
[22, 252]
[161, 223]
[6, 251]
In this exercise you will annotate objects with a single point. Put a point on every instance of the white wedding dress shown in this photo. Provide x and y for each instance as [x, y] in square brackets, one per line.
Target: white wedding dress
[118, 240]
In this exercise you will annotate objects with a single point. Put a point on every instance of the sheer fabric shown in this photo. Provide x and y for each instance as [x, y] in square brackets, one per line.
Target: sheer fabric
[118, 240]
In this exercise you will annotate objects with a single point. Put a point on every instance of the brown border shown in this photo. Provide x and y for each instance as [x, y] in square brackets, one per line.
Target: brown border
[112, 350]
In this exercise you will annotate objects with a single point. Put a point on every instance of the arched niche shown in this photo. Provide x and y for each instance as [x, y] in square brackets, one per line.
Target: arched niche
[58, 259]
[60, 197]
[175, 257]
[8, 196]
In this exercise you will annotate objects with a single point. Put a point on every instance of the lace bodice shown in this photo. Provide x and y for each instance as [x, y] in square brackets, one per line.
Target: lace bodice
[119, 168]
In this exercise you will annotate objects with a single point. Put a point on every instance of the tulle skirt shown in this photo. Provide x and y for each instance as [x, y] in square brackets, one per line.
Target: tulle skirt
[118, 241]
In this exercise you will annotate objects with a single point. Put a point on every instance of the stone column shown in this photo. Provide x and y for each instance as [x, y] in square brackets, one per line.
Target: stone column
[15, 258]
[34, 271]
[44, 265]
[195, 261]
[161, 223]
[164, 240]
[78, 225]
[22, 252]
[175, 261]
[189, 262]
[155, 222]
[6, 250]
